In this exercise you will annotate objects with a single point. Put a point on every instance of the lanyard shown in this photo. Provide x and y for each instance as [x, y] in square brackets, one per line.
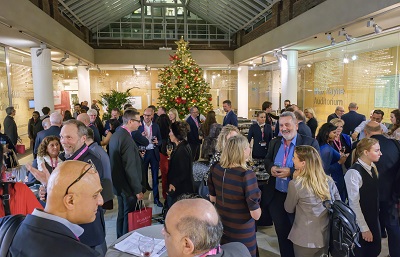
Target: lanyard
[124, 127]
[150, 129]
[338, 146]
[213, 251]
[286, 148]
[53, 165]
[262, 127]
[82, 152]
[195, 120]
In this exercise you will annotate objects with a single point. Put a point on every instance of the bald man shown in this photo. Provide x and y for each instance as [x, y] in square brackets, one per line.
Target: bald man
[193, 228]
[73, 197]
[85, 119]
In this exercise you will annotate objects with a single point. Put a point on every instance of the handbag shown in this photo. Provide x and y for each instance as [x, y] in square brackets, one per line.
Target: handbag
[20, 149]
[204, 191]
[139, 218]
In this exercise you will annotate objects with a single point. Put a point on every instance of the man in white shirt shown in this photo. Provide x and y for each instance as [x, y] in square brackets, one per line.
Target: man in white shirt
[377, 115]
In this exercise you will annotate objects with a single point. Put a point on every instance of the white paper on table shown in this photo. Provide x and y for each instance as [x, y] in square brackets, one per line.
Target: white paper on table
[131, 243]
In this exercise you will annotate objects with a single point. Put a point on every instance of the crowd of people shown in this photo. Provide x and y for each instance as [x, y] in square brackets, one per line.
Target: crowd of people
[348, 158]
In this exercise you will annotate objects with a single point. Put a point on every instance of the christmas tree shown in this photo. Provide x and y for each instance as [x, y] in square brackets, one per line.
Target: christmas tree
[183, 85]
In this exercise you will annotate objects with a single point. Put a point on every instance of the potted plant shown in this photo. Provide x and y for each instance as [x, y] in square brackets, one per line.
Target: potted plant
[114, 99]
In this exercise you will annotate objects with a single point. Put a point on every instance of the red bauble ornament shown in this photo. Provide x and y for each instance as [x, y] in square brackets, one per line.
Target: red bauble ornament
[184, 101]
[176, 57]
[185, 71]
[210, 99]
[196, 70]
[171, 58]
[194, 101]
[187, 86]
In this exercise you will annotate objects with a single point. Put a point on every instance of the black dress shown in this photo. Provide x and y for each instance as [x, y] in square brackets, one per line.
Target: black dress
[313, 125]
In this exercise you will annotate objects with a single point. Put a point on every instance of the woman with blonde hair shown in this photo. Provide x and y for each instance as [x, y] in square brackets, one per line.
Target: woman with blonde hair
[312, 122]
[362, 188]
[173, 115]
[227, 132]
[234, 189]
[307, 191]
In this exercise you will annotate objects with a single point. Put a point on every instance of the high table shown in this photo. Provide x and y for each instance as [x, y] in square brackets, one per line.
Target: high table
[150, 231]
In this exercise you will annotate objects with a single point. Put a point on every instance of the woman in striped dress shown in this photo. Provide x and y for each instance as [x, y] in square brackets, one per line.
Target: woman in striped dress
[234, 189]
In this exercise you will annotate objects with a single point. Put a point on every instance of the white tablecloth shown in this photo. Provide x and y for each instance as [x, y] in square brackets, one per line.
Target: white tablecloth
[151, 231]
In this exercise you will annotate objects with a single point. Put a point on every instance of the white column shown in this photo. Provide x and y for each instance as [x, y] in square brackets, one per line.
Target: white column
[84, 85]
[42, 79]
[289, 67]
[243, 91]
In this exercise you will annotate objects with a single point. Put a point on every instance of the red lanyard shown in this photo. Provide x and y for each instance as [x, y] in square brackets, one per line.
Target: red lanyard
[52, 164]
[211, 252]
[82, 152]
[338, 146]
[286, 148]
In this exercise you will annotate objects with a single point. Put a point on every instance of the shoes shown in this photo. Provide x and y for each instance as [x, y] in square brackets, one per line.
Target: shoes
[158, 203]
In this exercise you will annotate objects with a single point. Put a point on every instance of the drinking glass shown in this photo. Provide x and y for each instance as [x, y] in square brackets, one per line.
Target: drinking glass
[142, 149]
[146, 246]
[170, 147]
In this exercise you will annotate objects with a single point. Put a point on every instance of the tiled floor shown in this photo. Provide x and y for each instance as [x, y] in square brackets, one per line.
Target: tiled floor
[266, 237]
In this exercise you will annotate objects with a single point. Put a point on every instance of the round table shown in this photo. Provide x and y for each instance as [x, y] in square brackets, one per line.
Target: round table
[150, 231]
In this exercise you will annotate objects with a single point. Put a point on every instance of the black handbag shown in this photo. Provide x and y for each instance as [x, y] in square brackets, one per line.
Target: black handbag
[203, 187]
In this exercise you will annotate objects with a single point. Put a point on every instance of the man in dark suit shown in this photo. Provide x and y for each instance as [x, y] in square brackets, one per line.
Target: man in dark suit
[279, 164]
[303, 129]
[339, 111]
[126, 168]
[230, 117]
[151, 131]
[85, 119]
[193, 136]
[73, 197]
[352, 119]
[10, 127]
[115, 114]
[54, 130]
[388, 168]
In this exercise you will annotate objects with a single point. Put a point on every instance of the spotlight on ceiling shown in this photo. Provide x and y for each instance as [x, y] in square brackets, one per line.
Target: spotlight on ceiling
[66, 56]
[371, 23]
[88, 67]
[345, 34]
[279, 55]
[146, 68]
[135, 69]
[40, 50]
[346, 60]
[331, 38]
[98, 68]
[354, 57]
[348, 37]
[78, 63]
[263, 60]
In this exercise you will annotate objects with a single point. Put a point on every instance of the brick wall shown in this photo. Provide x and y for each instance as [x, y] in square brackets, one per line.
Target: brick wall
[282, 12]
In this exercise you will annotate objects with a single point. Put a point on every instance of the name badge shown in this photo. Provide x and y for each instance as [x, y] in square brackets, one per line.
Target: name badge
[263, 143]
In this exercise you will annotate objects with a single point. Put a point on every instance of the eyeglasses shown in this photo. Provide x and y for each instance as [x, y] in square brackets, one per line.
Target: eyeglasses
[147, 115]
[83, 174]
[137, 120]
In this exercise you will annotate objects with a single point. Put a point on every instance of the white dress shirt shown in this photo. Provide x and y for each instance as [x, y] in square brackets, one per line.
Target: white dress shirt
[353, 184]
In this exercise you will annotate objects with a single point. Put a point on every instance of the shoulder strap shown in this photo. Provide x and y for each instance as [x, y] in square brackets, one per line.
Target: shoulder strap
[7, 232]
[6, 198]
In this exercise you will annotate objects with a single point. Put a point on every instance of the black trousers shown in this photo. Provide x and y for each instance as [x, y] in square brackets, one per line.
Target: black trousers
[282, 223]
[195, 148]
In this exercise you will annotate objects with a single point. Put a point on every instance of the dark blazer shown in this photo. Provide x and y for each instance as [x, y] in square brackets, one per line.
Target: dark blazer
[351, 120]
[36, 232]
[180, 172]
[52, 131]
[230, 118]
[269, 118]
[10, 129]
[193, 135]
[107, 125]
[273, 149]
[96, 133]
[126, 163]
[331, 117]
[388, 167]
[139, 138]
[313, 125]
[156, 132]
[255, 132]
[34, 128]
[95, 232]
[304, 129]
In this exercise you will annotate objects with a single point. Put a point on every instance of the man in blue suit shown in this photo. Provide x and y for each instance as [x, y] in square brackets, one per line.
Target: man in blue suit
[73, 198]
[352, 119]
[152, 132]
[193, 136]
[54, 130]
[230, 117]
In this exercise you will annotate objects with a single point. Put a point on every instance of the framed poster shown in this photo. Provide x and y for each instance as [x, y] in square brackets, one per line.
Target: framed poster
[136, 102]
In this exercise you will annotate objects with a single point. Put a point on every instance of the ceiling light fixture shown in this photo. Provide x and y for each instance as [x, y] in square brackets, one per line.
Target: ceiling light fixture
[371, 23]
[66, 56]
[78, 63]
[146, 68]
[135, 69]
[346, 59]
[5, 24]
[354, 57]
[345, 34]
[331, 38]
[98, 68]
[88, 67]
[263, 60]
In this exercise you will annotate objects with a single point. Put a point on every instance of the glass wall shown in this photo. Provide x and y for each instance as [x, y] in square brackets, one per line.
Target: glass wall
[3, 86]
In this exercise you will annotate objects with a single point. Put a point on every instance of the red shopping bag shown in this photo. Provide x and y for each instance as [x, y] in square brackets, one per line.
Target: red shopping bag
[139, 218]
[20, 149]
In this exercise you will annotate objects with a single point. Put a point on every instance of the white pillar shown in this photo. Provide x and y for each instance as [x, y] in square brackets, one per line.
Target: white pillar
[289, 71]
[42, 79]
[243, 91]
[84, 85]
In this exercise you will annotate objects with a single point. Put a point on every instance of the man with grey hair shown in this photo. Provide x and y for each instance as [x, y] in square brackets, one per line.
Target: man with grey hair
[54, 130]
[301, 123]
[10, 127]
[193, 135]
[46, 123]
[279, 164]
[352, 119]
[85, 119]
[96, 121]
[193, 228]
[339, 111]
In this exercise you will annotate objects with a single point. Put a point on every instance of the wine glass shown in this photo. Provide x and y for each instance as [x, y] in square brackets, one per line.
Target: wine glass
[170, 147]
[146, 246]
[343, 149]
[153, 138]
[142, 149]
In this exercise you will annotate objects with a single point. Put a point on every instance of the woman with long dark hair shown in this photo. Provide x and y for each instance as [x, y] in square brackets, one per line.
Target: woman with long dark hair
[234, 189]
[362, 186]
[332, 160]
[210, 130]
[164, 123]
[307, 191]
[395, 130]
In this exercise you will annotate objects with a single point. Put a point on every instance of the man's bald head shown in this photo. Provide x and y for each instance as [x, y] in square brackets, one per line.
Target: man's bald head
[372, 128]
[195, 220]
[84, 118]
[80, 201]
